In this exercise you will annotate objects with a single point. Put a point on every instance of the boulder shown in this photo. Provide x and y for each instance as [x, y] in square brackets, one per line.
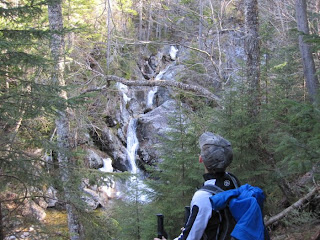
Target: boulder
[31, 209]
[51, 197]
[95, 161]
[152, 126]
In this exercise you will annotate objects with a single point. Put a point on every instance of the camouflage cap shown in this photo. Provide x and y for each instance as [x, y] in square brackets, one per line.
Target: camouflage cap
[216, 152]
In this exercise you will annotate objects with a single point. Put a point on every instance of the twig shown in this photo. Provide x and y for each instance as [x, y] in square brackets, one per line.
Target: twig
[296, 205]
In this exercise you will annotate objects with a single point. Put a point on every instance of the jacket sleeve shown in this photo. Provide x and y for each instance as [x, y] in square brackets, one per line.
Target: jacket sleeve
[201, 212]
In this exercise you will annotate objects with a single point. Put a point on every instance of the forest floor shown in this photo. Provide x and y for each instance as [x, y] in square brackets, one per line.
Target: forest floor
[305, 232]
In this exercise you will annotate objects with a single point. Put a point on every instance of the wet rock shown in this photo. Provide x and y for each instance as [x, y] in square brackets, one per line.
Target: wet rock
[110, 121]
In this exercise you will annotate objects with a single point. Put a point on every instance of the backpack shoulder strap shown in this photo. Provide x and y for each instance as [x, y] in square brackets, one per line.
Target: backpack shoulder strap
[234, 180]
[213, 189]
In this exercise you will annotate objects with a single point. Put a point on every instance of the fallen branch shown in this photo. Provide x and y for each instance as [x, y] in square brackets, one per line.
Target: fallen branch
[165, 83]
[296, 205]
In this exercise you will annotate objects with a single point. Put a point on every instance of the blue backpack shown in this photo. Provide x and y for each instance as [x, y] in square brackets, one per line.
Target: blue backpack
[240, 212]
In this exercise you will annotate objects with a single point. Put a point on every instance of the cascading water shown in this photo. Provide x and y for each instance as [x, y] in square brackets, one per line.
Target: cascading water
[124, 90]
[150, 97]
[132, 145]
[108, 189]
[154, 90]
[173, 53]
[135, 185]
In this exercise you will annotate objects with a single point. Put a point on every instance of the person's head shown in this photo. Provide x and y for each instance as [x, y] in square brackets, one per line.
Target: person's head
[216, 152]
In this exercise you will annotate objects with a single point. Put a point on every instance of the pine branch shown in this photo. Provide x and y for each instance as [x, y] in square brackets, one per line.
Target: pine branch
[296, 205]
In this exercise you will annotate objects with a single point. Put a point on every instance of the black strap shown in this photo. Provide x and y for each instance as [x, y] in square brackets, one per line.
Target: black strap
[233, 179]
[213, 189]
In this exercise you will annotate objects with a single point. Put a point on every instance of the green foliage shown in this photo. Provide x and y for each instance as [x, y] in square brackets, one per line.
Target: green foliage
[126, 6]
[179, 173]
[133, 212]
[297, 138]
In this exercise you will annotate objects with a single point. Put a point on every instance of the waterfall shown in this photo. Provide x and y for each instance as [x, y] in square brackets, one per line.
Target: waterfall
[136, 185]
[107, 165]
[154, 90]
[124, 90]
[108, 189]
[151, 94]
[173, 53]
[132, 144]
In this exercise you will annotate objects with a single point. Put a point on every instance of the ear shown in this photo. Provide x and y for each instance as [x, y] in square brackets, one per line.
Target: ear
[200, 159]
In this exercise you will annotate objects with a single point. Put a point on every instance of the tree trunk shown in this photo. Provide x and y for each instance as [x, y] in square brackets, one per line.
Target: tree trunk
[150, 22]
[252, 49]
[140, 33]
[1, 224]
[62, 122]
[200, 23]
[305, 51]
[108, 34]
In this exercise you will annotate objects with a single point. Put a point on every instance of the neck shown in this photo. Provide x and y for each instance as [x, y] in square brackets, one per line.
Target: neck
[208, 176]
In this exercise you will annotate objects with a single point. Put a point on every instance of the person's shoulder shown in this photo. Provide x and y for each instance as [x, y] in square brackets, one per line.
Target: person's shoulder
[200, 196]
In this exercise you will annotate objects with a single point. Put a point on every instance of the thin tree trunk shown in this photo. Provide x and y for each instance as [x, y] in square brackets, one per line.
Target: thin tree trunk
[150, 22]
[108, 34]
[200, 23]
[309, 69]
[252, 49]
[62, 121]
[1, 224]
[140, 34]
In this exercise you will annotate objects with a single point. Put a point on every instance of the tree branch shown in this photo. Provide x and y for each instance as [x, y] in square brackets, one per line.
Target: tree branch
[165, 83]
[296, 205]
[152, 83]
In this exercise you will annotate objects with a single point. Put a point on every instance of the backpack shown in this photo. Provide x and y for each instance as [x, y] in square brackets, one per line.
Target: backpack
[226, 220]
[246, 205]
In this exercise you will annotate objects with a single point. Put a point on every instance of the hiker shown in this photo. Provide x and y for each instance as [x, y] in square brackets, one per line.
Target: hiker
[203, 223]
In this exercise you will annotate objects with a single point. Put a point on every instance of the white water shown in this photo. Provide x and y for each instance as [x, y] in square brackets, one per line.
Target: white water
[173, 53]
[132, 145]
[135, 186]
[124, 90]
[107, 165]
[108, 189]
[150, 97]
[154, 90]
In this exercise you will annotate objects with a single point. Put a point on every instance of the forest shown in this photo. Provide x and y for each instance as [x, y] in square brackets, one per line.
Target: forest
[102, 103]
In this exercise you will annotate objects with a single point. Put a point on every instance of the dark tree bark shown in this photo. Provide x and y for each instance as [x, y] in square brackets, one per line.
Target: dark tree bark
[309, 69]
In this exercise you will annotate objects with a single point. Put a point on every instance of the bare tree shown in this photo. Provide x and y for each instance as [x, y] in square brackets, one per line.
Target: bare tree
[309, 69]
[108, 6]
[252, 48]
[150, 21]
[200, 23]
[62, 122]
[140, 9]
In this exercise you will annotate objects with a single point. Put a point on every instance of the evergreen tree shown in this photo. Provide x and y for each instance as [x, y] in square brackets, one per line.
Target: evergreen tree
[25, 99]
[178, 174]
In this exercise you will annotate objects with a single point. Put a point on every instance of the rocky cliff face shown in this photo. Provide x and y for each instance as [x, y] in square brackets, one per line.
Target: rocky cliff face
[151, 106]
